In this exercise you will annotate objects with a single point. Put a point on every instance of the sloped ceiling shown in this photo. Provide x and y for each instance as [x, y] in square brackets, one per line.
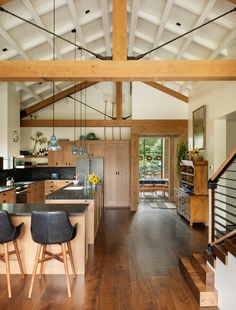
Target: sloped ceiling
[150, 24]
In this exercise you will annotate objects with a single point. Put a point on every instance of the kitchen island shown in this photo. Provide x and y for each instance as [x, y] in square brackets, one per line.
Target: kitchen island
[74, 194]
[78, 213]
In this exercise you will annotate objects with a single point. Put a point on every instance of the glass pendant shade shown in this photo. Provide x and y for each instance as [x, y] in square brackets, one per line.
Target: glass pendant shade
[74, 149]
[82, 150]
[53, 145]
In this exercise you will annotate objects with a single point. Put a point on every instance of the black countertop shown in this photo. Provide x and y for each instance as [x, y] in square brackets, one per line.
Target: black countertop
[25, 209]
[70, 194]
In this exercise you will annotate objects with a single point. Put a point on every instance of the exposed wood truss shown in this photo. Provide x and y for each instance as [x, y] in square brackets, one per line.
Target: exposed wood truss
[2, 2]
[119, 21]
[145, 70]
[119, 100]
[168, 91]
[177, 127]
[232, 1]
[46, 102]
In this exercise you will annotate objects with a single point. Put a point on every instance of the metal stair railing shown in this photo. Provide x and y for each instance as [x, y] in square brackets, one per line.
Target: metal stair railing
[223, 201]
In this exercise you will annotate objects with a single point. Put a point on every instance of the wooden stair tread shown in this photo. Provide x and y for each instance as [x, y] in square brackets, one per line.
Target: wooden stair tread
[205, 295]
[210, 257]
[230, 245]
[205, 273]
[220, 252]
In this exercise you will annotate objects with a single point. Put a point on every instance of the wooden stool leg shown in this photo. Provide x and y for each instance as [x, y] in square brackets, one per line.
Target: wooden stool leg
[42, 264]
[18, 258]
[7, 269]
[35, 269]
[71, 259]
[63, 246]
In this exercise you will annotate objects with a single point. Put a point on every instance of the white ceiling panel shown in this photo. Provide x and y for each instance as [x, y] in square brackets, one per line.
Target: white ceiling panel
[150, 24]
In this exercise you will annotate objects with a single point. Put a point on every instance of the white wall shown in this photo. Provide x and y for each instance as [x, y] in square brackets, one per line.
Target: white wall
[9, 119]
[219, 98]
[150, 103]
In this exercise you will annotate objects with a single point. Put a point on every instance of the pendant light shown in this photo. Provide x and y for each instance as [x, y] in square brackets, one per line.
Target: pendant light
[53, 145]
[74, 149]
[82, 148]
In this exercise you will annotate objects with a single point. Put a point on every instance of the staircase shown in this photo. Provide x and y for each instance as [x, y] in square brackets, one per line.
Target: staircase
[200, 277]
[222, 234]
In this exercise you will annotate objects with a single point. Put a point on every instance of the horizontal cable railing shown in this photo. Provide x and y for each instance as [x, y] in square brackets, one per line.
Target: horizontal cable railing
[223, 200]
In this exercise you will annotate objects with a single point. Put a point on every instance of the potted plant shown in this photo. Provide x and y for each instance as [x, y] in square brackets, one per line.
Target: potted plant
[182, 150]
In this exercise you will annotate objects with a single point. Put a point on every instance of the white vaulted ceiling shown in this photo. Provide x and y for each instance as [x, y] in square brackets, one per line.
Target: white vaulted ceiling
[150, 24]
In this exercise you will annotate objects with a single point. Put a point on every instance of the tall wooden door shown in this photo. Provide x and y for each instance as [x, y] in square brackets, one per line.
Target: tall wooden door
[117, 174]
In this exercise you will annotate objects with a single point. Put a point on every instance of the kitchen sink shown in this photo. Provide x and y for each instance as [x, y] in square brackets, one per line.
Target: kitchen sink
[73, 188]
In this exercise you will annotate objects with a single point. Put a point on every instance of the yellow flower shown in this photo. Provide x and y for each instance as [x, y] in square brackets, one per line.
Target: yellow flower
[93, 178]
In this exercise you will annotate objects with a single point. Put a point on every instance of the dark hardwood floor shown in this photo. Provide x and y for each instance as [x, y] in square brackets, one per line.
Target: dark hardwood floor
[133, 265]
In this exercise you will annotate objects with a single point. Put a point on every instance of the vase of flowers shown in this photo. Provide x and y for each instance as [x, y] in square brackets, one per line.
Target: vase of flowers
[93, 179]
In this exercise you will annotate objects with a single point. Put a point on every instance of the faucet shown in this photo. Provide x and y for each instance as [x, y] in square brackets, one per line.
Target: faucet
[81, 178]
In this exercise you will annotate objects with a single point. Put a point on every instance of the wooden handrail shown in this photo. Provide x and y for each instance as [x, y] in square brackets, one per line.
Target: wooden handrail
[227, 236]
[223, 167]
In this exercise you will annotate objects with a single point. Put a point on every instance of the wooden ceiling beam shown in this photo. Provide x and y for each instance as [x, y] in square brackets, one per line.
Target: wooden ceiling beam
[95, 70]
[48, 101]
[232, 1]
[168, 91]
[119, 35]
[170, 126]
[119, 100]
[2, 2]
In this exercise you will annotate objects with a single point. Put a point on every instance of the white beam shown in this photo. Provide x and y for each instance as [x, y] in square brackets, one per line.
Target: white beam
[199, 22]
[133, 24]
[106, 26]
[161, 28]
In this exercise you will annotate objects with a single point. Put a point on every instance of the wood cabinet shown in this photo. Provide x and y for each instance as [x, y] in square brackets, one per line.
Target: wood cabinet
[95, 148]
[63, 157]
[117, 174]
[35, 192]
[192, 196]
[53, 185]
[194, 176]
[192, 207]
[8, 196]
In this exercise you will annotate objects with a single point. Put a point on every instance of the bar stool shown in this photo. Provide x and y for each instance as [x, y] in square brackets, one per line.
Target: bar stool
[52, 228]
[8, 233]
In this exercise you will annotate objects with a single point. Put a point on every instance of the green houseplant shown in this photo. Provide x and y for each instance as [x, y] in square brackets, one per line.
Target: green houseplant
[182, 150]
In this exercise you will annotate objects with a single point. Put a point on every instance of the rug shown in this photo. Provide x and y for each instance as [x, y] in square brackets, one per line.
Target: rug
[162, 205]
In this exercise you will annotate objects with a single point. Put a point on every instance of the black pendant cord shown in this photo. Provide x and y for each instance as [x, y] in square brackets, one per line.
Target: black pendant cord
[56, 35]
[89, 106]
[184, 34]
[53, 57]
[74, 31]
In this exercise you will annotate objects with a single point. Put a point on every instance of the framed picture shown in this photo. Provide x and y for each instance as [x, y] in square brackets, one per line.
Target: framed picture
[199, 128]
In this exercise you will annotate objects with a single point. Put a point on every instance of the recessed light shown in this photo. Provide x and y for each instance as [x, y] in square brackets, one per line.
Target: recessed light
[4, 49]
[178, 24]
[87, 11]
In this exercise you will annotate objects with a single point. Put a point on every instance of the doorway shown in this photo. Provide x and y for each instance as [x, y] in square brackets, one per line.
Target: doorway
[153, 169]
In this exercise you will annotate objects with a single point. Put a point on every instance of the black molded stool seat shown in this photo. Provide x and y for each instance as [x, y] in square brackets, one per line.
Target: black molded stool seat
[52, 228]
[8, 233]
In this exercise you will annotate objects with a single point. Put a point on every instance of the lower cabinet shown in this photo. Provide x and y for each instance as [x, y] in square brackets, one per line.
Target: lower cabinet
[35, 192]
[53, 185]
[192, 207]
[8, 196]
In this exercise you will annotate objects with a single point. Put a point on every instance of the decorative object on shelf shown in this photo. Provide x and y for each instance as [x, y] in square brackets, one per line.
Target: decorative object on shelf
[74, 146]
[182, 149]
[53, 145]
[38, 138]
[91, 136]
[199, 128]
[195, 154]
[15, 136]
[94, 179]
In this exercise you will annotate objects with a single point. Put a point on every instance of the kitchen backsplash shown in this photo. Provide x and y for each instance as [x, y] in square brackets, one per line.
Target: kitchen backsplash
[35, 174]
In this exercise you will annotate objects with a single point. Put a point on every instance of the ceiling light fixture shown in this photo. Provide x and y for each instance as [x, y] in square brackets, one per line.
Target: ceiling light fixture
[53, 145]
[74, 150]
